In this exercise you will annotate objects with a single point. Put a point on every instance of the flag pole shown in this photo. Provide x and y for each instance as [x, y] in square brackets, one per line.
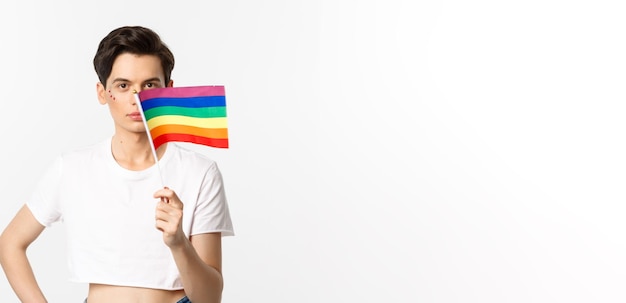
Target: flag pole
[145, 124]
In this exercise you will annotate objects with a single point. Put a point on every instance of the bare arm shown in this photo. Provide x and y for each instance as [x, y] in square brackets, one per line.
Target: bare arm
[199, 264]
[199, 259]
[14, 241]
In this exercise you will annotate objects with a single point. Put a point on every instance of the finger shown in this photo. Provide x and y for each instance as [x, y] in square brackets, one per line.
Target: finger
[165, 194]
[162, 212]
[165, 199]
[165, 227]
[169, 196]
[166, 209]
[168, 212]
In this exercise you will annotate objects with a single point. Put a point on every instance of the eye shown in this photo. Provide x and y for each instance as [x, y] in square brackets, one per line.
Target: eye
[122, 85]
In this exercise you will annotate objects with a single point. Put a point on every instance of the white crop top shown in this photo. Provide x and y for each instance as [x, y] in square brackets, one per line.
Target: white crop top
[109, 211]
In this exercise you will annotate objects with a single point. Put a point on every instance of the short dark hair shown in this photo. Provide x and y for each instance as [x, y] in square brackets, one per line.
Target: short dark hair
[134, 40]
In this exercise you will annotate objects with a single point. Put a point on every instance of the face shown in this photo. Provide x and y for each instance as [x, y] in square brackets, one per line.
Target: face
[130, 73]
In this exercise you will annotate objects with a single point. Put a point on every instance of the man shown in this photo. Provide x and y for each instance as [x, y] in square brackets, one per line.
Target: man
[129, 237]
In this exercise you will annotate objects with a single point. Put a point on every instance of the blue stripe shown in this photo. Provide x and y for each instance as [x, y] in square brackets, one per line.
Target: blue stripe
[203, 101]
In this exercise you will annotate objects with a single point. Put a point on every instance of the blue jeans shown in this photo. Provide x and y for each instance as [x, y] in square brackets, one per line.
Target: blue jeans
[183, 300]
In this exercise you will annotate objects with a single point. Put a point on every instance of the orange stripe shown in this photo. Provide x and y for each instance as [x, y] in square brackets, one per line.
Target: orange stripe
[216, 133]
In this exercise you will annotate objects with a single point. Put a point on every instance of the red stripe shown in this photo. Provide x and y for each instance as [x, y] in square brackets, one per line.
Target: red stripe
[182, 92]
[220, 143]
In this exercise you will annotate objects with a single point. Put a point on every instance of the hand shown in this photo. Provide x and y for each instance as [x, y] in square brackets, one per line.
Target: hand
[169, 217]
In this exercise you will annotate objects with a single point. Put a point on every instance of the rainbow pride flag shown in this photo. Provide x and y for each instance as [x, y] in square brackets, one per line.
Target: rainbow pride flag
[195, 114]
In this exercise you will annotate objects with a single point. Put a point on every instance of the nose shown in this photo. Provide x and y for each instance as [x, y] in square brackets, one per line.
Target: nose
[135, 96]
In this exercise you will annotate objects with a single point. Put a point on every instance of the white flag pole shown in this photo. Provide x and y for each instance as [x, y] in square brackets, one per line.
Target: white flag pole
[145, 124]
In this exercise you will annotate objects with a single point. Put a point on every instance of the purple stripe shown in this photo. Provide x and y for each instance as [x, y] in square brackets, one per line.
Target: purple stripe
[182, 92]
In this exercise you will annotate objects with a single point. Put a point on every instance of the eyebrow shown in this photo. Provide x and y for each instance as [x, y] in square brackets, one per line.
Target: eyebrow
[120, 80]
[157, 79]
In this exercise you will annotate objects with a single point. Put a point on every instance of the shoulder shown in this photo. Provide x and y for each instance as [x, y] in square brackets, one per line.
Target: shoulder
[84, 159]
[70, 165]
[85, 153]
[185, 156]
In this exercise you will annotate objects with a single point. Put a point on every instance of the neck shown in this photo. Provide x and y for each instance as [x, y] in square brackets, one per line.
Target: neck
[133, 151]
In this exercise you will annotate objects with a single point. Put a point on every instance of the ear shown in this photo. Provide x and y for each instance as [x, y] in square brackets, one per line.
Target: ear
[101, 91]
[171, 84]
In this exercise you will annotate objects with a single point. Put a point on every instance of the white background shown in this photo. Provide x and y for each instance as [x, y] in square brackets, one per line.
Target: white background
[381, 151]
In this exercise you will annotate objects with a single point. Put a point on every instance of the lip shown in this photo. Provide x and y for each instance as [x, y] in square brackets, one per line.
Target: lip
[136, 116]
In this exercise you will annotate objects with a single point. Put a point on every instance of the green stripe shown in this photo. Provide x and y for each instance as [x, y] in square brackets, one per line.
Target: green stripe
[201, 112]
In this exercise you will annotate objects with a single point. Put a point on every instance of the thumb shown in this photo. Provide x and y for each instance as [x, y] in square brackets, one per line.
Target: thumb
[164, 194]
[164, 198]
[171, 198]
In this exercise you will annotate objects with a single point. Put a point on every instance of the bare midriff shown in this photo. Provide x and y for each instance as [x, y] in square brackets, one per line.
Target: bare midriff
[101, 293]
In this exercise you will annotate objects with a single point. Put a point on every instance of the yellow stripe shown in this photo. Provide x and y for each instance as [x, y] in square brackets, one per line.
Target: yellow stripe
[190, 121]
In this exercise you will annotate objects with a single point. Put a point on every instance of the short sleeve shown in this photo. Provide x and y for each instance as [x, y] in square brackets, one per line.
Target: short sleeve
[211, 213]
[44, 202]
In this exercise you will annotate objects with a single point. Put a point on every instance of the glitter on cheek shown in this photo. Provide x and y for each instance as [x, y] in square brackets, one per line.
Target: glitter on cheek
[111, 95]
